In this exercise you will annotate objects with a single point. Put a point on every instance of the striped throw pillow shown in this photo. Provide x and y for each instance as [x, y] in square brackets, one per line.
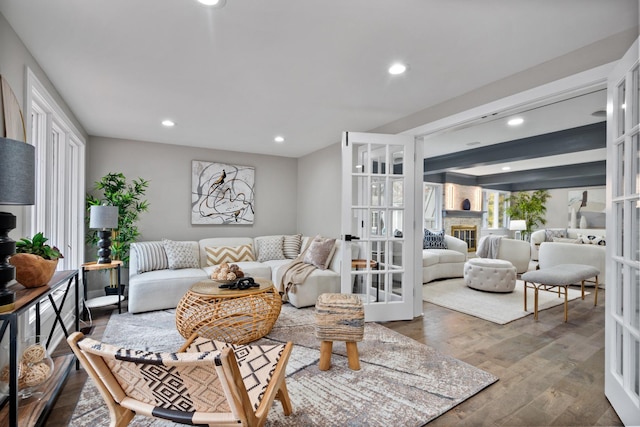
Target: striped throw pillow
[291, 246]
[218, 255]
[150, 256]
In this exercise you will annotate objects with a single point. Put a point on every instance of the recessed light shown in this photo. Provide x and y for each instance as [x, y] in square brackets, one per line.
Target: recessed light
[506, 168]
[515, 121]
[470, 144]
[279, 139]
[397, 68]
[213, 3]
[168, 123]
[599, 113]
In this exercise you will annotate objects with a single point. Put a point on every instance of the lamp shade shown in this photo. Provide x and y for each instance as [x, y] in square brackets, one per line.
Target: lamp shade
[518, 225]
[103, 217]
[17, 172]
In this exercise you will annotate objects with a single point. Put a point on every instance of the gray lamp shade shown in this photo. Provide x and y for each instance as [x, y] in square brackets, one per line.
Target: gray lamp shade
[17, 172]
[103, 217]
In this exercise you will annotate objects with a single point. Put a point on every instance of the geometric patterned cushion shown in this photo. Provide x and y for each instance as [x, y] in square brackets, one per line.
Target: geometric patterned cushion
[180, 254]
[292, 245]
[151, 256]
[433, 240]
[270, 248]
[171, 381]
[220, 254]
[256, 362]
[550, 233]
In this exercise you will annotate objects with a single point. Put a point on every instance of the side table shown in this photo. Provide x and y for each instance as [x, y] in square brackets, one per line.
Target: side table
[35, 412]
[106, 300]
[227, 315]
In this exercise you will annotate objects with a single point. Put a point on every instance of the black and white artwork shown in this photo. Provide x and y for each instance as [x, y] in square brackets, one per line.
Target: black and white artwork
[222, 193]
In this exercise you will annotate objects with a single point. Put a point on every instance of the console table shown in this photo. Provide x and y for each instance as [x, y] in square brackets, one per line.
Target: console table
[35, 413]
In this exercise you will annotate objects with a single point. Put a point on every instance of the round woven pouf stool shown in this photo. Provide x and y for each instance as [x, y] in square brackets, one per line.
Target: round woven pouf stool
[491, 275]
[339, 317]
[231, 316]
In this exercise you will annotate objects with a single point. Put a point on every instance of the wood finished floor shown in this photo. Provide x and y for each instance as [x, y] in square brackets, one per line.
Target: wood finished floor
[551, 373]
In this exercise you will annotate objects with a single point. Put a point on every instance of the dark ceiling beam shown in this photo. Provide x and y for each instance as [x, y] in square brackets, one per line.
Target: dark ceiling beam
[587, 181]
[589, 137]
[580, 170]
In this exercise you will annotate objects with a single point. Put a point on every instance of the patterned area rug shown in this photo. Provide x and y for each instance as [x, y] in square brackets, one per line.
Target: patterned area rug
[401, 382]
[495, 307]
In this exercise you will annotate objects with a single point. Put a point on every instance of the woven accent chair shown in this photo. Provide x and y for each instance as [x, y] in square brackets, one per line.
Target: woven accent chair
[205, 382]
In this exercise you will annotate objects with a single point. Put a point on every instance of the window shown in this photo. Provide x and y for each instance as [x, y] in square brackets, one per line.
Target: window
[60, 157]
[432, 205]
[494, 205]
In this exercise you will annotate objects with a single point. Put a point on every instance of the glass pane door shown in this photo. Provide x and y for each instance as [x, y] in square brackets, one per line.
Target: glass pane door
[622, 328]
[377, 179]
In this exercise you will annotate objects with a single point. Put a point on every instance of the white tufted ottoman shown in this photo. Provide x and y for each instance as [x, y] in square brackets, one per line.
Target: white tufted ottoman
[491, 275]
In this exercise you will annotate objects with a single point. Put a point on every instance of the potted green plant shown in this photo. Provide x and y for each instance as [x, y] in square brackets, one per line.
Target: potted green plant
[35, 261]
[530, 207]
[114, 190]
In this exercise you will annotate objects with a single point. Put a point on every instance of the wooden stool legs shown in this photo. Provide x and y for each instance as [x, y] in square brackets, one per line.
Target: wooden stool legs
[325, 355]
[326, 348]
[352, 355]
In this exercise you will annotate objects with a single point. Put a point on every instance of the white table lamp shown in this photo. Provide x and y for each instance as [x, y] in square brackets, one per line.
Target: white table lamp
[518, 225]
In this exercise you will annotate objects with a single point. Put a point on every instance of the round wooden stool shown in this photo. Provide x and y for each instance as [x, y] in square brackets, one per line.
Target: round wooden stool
[339, 317]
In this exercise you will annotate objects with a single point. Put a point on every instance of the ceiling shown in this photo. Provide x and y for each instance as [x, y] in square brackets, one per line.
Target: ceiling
[234, 78]
[572, 112]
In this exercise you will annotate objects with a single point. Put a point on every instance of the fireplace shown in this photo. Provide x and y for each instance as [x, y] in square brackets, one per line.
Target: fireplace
[467, 233]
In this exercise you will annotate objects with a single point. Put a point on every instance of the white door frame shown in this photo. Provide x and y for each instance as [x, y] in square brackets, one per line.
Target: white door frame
[622, 333]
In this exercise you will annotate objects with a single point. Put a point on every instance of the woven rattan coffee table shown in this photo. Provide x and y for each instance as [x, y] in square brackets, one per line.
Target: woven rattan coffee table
[227, 315]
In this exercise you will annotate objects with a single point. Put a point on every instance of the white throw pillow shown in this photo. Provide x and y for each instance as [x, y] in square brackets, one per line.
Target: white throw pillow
[270, 248]
[180, 255]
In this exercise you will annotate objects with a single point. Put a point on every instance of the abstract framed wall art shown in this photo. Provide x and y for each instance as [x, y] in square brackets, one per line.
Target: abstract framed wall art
[222, 193]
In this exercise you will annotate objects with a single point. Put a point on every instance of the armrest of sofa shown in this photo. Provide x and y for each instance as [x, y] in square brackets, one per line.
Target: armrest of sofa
[456, 244]
[536, 238]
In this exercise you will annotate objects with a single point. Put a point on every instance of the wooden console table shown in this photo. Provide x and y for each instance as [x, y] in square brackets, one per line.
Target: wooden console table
[35, 413]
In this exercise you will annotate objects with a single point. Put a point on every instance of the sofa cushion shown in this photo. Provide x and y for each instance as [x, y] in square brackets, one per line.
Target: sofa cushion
[447, 255]
[433, 240]
[181, 254]
[320, 252]
[219, 254]
[270, 247]
[150, 256]
[429, 257]
[566, 240]
[291, 246]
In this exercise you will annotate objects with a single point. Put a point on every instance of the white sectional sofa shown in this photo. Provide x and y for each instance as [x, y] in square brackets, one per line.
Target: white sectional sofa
[551, 253]
[154, 286]
[444, 263]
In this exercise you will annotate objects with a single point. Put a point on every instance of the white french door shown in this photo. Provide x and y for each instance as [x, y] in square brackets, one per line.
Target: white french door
[379, 217]
[622, 318]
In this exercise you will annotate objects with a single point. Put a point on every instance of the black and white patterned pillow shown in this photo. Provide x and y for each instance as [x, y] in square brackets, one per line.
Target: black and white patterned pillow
[434, 240]
[592, 240]
[150, 256]
[180, 254]
[550, 233]
[270, 248]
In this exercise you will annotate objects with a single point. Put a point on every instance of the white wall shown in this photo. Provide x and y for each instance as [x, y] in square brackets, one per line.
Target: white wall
[557, 215]
[319, 192]
[168, 168]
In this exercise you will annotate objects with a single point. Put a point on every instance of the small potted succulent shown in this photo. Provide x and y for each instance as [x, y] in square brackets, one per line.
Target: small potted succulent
[35, 261]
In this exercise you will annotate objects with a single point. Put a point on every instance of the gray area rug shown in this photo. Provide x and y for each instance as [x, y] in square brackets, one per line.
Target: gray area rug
[495, 307]
[401, 382]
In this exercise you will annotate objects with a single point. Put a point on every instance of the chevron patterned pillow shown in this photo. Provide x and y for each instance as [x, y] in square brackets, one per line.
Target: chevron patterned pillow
[218, 255]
